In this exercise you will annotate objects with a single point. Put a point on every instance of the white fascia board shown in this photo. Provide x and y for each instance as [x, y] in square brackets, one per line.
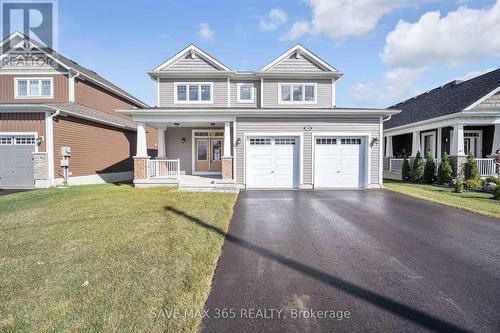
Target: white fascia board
[303, 51]
[187, 50]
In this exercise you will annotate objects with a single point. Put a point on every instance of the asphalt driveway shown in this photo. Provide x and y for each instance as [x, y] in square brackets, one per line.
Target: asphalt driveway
[345, 261]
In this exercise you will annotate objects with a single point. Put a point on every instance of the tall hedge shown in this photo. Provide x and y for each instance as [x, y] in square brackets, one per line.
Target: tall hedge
[405, 170]
[417, 172]
[445, 172]
[430, 169]
[470, 168]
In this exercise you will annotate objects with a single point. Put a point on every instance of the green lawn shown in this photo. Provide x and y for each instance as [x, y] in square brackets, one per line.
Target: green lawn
[107, 258]
[476, 202]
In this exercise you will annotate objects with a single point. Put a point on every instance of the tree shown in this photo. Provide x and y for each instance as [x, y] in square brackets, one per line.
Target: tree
[430, 169]
[459, 185]
[417, 172]
[445, 172]
[470, 168]
[405, 170]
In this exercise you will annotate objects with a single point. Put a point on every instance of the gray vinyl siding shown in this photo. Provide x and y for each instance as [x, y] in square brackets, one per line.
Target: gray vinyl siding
[491, 103]
[189, 64]
[234, 93]
[219, 94]
[324, 93]
[319, 125]
[293, 64]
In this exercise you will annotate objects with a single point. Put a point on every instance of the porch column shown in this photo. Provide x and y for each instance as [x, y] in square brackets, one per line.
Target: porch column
[141, 147]
[457, 143]
[415, 144]
[439, 137]
[388, 147]
[162, 149]
[496, 140]
[227, 159]
[227, 140]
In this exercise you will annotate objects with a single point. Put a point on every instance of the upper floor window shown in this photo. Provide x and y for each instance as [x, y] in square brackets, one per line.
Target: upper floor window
[33, 88]
[245, 92]
[193, 93]
[297, 93]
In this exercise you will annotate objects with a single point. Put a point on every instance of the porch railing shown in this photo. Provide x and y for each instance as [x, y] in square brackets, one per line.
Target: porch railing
[486, 167]
[164, 169]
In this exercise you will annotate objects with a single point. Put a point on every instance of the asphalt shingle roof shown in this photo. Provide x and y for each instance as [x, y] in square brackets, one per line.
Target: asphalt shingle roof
[450, 98]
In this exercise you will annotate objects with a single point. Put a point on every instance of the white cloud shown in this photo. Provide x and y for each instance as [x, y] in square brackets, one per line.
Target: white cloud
[473, 74]
[206, 32]
[276, 17]
[340, 19]
[364, 93]
[298, 29]
[462, 36]
[399, 83]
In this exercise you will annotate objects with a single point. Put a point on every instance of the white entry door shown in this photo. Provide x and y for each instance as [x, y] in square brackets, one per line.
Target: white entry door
[339, 162]
[272, 162]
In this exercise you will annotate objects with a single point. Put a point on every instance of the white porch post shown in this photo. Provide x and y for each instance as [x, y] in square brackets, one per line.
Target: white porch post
[415, 143]
[226, 152]
[162, 149]
[142, 150]
[438, 142]
[388, 146]
[496, 139]
[457, 143]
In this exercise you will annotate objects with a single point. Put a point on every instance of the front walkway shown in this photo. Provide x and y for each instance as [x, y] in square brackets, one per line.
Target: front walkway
[395, 263]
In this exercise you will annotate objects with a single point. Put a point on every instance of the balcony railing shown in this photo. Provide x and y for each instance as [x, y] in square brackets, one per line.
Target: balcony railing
[163, 169]
[486, 166]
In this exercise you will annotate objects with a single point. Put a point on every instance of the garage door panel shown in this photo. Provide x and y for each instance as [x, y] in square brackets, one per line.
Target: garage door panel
[339, 162]
[274, 166]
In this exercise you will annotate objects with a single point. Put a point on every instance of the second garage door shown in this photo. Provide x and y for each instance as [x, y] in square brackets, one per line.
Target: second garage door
[16, 161]
[339, 162]
[272, 162]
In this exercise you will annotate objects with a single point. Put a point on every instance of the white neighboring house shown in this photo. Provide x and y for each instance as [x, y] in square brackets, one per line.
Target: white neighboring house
[458, 118]
[277, 127]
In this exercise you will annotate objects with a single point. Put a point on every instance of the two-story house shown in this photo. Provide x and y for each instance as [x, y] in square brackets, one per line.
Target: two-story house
[277, 127]
[48, 102]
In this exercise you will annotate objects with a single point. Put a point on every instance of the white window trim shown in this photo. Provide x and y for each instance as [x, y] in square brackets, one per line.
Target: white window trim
[303, 84]
[28, 79]
[238, 92]
[432, 134]
[199, 84]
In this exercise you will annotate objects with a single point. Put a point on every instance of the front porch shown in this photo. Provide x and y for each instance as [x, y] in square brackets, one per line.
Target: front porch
[190, 155]
[481, 138]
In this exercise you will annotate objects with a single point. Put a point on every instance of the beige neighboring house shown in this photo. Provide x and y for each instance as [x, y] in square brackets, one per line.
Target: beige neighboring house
[277, 127]
[48, 102]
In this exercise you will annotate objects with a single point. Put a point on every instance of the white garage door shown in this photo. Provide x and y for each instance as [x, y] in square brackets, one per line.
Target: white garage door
[272, 162]
[339, 162]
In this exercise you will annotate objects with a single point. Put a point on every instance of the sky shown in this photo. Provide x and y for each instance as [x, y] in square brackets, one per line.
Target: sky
[388, 50]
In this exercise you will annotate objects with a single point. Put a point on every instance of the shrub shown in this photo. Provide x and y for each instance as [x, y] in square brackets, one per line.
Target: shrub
[417, 172]
[470, 168]
[429, 170]
[405, 170]
[459, 185]
[472, 184]
[496, 193]
[445, 171]
[492, 179]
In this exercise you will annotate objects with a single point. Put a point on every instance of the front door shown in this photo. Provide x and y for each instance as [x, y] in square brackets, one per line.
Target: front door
[208, 155]
[472, 143]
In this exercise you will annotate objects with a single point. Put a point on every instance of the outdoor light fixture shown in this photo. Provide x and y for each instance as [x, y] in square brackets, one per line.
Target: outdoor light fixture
[212, 124]
[183, 140]
[176, 124]
[374, 141]
[39, 140]
[238, 141]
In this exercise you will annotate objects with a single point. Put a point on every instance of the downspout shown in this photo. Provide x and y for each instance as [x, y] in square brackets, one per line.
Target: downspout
[49, 129]
[72, 92]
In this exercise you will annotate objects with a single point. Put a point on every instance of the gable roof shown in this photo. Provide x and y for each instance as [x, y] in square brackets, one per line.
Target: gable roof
[452, 97]
[17, 37]
[300, 51]
[193, 50]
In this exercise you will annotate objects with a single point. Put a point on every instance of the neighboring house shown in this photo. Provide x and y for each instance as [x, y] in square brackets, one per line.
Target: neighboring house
[48, 102]
[458, 118]
[277, 127]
